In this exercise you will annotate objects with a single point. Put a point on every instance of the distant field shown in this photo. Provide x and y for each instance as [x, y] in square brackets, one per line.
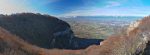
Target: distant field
[98, 27]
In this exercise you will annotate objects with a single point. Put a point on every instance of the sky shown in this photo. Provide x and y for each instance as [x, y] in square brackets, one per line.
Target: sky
[77, 7]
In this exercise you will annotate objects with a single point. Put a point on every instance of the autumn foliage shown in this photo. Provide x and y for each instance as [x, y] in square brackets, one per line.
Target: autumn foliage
[132, 43]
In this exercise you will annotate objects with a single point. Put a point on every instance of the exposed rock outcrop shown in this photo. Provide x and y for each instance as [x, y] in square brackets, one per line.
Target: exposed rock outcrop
[44, 31]
[134, 42]
[145, 30]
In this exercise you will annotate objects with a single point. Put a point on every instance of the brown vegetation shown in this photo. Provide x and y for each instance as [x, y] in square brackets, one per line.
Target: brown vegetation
[44, 31]
[131, 43]
[19, 47]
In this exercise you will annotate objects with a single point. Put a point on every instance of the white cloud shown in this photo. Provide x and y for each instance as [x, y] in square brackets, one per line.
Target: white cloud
[113, 4]
[14, 6]
[137, 11]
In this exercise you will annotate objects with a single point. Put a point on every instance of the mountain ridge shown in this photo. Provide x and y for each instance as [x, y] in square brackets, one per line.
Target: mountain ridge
[133, 42]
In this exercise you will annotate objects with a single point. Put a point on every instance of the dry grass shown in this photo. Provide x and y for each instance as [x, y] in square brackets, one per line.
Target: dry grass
[114, 45]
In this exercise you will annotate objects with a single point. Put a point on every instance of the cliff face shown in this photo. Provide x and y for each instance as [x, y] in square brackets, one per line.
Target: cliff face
[145, 30]
[134, 42]
[140, 30]
[44, 31]
[30, 34]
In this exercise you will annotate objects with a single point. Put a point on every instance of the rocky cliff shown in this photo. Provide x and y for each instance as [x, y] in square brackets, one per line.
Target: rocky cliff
[13, 38]
[44, 31]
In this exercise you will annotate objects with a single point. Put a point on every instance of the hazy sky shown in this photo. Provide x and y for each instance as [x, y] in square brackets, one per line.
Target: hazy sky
[77, 7]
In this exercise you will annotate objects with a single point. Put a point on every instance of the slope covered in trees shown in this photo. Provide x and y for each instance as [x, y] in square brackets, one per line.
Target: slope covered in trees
[13, 40]
[44, 31]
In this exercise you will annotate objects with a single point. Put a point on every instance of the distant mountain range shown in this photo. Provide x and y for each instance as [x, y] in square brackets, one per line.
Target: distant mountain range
[104, 19]
[108, 20]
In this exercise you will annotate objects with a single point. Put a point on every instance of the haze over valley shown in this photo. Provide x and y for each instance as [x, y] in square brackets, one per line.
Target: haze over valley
[74, 27]
[99, 27]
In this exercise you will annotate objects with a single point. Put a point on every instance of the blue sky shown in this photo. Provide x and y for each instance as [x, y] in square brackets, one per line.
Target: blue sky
[77, 7]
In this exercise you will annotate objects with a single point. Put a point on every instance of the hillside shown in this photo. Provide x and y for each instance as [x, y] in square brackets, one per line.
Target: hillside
[43, 31]
[16, 38]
